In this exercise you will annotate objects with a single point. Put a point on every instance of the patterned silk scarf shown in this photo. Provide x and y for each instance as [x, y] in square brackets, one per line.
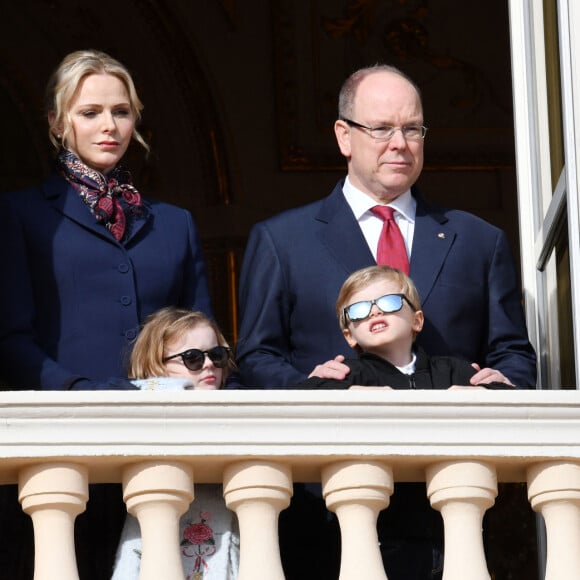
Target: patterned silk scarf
[111, 198]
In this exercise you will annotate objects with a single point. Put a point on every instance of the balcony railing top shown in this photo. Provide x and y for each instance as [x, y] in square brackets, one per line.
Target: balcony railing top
[306, 429]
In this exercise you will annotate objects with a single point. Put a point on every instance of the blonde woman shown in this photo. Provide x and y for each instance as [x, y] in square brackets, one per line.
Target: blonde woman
[85, 258]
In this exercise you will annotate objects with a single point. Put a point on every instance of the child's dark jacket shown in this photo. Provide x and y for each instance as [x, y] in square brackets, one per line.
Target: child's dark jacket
[431, 372]
[409, 513]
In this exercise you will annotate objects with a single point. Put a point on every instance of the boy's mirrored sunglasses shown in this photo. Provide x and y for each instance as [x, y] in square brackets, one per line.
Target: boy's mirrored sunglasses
[194, 358]
[386, 304]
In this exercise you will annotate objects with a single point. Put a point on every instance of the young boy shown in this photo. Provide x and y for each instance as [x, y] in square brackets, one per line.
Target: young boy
[378, 309]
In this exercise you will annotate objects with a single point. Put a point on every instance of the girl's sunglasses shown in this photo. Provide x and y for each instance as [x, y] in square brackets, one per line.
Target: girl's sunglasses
[386, 304]
[194, 358]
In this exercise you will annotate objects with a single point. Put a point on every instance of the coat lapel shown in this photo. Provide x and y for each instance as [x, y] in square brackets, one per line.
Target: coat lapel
[432, 242]
[340, 233]
[65, 200]
[139, 222]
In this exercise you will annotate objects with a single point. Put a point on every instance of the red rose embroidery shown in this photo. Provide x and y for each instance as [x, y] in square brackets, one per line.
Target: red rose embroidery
[198, 533]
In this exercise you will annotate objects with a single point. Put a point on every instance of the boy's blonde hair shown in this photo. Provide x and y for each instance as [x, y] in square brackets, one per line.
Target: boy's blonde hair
[160, 328]
[362, 278]
[64, 85]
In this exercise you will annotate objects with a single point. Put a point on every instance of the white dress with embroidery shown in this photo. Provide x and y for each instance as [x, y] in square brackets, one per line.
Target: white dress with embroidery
[208, 531]
[209, 540]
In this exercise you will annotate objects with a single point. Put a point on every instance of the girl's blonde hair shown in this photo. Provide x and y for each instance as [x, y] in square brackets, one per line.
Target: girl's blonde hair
[161, 328]
[64, 85]
[362, 278]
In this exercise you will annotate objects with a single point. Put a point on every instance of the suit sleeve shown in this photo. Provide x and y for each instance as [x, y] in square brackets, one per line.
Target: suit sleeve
[264, 345]
[508, 347]
[324, 384]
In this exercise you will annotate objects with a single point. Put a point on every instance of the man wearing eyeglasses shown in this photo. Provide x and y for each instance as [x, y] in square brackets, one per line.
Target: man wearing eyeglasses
[296, 262]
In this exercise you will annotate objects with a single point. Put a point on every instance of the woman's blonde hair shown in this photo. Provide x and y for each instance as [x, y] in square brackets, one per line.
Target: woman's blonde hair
[64, 85]
[161, 328]
[362, 278]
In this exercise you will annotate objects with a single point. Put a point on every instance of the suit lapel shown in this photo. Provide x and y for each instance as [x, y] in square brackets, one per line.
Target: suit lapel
[340, 233]
[432, 242]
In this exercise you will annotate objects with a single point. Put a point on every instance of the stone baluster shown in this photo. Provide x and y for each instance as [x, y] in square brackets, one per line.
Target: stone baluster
[157, 493]
[356, 491]
[462, 491]
[554, 491]
[53, 494]
[258, 491]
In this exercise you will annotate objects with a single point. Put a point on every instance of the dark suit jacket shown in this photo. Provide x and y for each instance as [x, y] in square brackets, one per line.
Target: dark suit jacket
[72, 297]
[296, 262]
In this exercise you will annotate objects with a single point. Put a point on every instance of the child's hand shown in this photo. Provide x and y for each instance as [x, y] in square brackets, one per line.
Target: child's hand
[332, 369]
[487, 375]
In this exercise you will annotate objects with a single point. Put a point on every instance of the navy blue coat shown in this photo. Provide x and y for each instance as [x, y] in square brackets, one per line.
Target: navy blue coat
[72, 297]
[296, 262]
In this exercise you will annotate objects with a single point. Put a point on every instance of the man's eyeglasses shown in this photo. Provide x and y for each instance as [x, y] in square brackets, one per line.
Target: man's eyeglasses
[194, 358]
[386, 304]
[386, 132]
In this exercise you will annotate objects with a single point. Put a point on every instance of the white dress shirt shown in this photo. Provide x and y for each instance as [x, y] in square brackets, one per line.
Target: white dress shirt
[405, 208]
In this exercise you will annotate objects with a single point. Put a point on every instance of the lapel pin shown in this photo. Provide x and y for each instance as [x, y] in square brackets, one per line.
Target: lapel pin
[441, 235]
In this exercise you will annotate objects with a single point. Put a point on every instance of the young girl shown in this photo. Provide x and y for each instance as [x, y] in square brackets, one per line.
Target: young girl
[183, 349]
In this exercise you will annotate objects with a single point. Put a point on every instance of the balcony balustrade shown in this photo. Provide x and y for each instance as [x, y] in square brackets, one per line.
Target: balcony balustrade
[257, 443]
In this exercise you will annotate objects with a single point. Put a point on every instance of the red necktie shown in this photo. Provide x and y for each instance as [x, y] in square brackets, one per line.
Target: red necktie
[391, 250]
